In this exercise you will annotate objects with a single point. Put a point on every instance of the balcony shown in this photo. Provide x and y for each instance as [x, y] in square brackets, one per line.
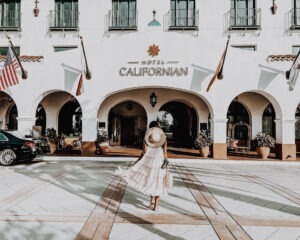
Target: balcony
[243, 19]
[64, 20]
[10, 21]
[117, 21]
[182, 19]
[294, 18]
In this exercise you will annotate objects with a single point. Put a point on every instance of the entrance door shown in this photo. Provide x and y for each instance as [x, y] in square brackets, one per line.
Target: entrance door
[127, 130]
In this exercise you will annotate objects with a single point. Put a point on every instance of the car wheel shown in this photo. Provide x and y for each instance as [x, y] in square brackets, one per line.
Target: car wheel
[7, 157]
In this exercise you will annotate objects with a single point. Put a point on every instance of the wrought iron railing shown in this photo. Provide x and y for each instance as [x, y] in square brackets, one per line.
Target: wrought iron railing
[182, 19]
[122, 20]
[67, 20]
[244, 18]
[294, 18]
[10, 20]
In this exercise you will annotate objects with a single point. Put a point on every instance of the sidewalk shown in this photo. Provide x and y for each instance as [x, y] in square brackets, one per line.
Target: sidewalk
[210, 199]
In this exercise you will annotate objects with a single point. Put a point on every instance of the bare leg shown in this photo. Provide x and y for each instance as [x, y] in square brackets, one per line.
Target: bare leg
[156, 203]
[151, 204]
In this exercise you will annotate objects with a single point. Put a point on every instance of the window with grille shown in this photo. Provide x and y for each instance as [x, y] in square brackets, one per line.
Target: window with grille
[10, 14]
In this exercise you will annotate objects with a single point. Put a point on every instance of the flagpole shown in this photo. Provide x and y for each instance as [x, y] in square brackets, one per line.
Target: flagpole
[287, 73]
[220, 73]
[24, 72]
[88, 74]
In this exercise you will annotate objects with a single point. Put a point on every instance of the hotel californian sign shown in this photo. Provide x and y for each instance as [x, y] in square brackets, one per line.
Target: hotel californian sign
[153, 68]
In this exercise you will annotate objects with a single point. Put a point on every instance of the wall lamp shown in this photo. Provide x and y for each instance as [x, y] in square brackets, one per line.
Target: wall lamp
[36, 10]
[153, 99]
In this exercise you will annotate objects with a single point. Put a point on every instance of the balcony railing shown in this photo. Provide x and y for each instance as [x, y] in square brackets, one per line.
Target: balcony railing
[243, 18]
[294, 18]
[10, 20]
[182, 19]
[64, 20]
[118, 21]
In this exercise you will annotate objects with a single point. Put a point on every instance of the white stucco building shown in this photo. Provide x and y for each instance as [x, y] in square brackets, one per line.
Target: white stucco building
[132, 55]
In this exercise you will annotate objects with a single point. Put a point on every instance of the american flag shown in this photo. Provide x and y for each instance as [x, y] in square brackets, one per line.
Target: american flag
[9, 76]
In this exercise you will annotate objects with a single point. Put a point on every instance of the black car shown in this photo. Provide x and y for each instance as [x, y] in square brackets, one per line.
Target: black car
[13, 148]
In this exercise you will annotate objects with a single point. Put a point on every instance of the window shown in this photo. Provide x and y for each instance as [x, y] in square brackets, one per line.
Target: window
[183, 13]
[64, 48]
[268, 124]
[3, 138]
[244, 14]
[295, 50]
[10, 14]
[246, 47]
[296, 13]
[124, 14]
[3, 51]
[65, 15]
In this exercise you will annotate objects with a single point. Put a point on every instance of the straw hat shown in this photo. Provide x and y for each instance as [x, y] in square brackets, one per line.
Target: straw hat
[155, 137]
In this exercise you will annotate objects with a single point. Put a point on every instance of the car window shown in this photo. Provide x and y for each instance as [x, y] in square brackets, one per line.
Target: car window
[3, 137]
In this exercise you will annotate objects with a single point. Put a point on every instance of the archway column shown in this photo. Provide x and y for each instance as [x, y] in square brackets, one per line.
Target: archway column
[89, 136]
[218, 131]
[285, 139]
[25, 124]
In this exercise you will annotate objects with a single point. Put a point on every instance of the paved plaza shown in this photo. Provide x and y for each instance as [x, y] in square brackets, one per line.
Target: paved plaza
[69, 198]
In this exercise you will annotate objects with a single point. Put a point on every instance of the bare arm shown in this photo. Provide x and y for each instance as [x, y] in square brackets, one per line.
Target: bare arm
[165, 150]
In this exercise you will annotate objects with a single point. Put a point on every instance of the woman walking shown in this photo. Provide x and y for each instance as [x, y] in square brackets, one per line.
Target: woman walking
[149, 174]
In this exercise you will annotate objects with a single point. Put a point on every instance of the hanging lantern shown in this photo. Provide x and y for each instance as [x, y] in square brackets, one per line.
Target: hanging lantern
[153, 99]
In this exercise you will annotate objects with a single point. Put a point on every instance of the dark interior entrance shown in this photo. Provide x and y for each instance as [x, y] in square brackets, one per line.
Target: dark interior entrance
[128, 130]
[179, 121]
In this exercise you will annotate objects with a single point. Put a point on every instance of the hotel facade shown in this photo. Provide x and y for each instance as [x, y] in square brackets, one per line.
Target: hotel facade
[154, 60]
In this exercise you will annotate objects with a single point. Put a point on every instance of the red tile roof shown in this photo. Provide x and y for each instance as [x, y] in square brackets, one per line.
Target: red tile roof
[281, 58]
[25, 58]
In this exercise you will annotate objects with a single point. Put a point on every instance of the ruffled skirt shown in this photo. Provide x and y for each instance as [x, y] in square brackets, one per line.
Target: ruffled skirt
[147, 176]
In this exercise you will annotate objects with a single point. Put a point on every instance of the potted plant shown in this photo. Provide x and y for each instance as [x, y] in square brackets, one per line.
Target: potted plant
[102, 140]
[202, 142]
[263, 143]
[51, 137]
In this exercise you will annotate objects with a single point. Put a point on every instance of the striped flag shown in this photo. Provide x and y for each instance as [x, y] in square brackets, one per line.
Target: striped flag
[80, 90]
[9, 76]
[293, 74]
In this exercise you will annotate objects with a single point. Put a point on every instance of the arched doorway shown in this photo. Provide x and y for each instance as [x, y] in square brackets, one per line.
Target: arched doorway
[41, 118]
[70, 118]
[238, 125]
[127, 123]
[12, 118]
[179, 121]
[268, 123]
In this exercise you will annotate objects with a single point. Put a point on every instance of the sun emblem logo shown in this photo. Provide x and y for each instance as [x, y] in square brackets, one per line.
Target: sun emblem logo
[153, 50]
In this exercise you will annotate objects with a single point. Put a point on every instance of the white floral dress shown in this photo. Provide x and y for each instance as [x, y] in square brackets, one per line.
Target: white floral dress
[147, 176]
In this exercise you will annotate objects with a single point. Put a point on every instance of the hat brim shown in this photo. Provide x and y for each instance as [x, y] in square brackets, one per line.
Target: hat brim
[156, 144]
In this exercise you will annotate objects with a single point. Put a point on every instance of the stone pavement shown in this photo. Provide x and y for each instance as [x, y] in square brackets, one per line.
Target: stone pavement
[81, 198]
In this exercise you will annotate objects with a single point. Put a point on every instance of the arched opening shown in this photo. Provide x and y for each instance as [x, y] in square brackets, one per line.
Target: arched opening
[41, 118]
[297, 129]
[268, 123]
[8, 112]
[70, 118]
[238, 125]
[127, 124]
[179, 122]
[12, 118]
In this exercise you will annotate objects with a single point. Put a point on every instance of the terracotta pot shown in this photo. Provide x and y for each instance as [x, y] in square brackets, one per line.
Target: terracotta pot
[263, 152]
[52, 147]
[204, 151]
[103, 147]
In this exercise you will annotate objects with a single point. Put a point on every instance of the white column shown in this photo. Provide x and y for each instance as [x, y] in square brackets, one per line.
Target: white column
[89, 129]
[218, 130]
[256, 125]
[25, 124]
[285, 131]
